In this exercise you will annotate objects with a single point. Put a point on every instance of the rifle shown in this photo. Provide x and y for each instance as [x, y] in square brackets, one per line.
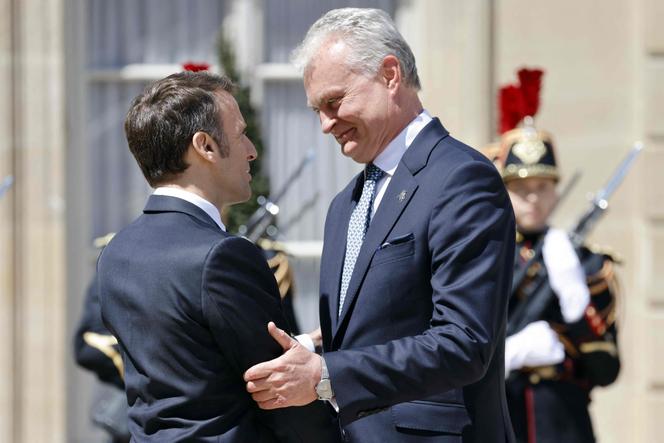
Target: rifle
[536, 301]
[6, 184]
[261, 220]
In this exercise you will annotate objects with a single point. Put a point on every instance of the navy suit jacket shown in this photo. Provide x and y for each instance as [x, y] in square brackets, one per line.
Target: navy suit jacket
[417, 353]
[189, 305]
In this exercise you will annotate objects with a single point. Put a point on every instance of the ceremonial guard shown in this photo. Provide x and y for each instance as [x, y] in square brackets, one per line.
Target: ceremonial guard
[561, 337]
[96, 350]
[278, 261]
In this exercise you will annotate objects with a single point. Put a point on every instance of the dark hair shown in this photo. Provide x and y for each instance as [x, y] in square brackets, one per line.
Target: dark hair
[163, 119]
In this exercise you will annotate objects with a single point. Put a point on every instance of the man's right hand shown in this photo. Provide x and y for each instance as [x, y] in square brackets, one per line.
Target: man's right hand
[289, 380]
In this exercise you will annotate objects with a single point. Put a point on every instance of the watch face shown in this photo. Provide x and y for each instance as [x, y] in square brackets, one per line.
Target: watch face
[324, 389]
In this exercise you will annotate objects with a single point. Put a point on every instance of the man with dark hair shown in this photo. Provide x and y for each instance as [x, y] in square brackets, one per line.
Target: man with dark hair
[186, 301]
[417, 255]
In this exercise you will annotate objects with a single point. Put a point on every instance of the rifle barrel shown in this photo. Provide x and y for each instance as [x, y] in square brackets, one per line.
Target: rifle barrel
[617, 178]
[263, 217]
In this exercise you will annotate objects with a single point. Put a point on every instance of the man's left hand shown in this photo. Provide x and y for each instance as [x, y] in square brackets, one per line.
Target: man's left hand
[289, 380]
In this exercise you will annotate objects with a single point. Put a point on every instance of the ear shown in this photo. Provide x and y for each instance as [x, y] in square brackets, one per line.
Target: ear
[203, 145]
[391, 72]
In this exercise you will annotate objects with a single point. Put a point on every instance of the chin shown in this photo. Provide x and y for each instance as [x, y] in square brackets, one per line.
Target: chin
[247, 195]
[241, 198]
[357, 155]
[531, 228]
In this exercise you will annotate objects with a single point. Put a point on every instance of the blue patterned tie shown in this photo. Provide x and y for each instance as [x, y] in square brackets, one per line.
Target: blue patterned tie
[357, 227]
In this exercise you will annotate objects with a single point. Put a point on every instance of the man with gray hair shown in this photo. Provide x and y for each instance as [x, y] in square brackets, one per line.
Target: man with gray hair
[417, 259]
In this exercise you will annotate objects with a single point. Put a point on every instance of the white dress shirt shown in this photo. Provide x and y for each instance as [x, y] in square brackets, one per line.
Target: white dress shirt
[194, 199]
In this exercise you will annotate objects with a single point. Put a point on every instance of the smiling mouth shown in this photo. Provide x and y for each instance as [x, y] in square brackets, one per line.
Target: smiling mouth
[345, 136]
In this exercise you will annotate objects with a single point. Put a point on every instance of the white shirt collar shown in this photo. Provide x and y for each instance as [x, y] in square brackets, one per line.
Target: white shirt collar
[389, 159]
[194, 199]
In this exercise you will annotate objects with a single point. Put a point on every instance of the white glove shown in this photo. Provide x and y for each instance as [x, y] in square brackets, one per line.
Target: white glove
[535, 345]
[566, 276]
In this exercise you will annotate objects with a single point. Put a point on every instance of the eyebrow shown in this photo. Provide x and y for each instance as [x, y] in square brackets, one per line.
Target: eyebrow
[325, 97]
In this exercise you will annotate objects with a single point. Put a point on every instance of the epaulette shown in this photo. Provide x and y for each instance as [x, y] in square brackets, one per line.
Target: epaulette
[101, 242]
[606, 251]
[273, 245]
[279, 265]
[107, 345]
[604, 290]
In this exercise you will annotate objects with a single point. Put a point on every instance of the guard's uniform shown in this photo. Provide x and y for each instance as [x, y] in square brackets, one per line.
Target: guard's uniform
[277, 259]
[96, 350]
[550, 403]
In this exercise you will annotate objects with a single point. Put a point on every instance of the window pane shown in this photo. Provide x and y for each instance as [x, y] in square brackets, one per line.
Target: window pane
[121, 32]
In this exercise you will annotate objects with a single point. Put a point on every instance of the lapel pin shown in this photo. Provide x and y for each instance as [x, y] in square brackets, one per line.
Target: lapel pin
[402, 195]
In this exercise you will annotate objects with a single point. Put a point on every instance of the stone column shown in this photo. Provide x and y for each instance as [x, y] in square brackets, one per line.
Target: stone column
[652, 186]
[32, 259]
[451, 41]
[6, 226]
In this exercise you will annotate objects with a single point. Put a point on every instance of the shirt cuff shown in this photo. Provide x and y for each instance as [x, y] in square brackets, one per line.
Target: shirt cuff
[326, 374]
[306, 341]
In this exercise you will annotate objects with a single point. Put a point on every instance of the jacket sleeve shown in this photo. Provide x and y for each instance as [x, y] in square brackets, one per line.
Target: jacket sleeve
[470, 240]
[240, 296]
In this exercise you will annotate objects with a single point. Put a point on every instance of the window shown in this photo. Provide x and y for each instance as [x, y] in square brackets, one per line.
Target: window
[130, 43]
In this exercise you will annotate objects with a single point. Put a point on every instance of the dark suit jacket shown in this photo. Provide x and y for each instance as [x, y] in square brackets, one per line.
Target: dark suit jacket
[189, 305]
[418, 351]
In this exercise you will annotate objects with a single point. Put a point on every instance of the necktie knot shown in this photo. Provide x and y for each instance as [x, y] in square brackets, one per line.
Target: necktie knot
[373, 172]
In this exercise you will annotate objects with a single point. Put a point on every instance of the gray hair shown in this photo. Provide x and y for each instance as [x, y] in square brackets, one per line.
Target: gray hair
[370, 33]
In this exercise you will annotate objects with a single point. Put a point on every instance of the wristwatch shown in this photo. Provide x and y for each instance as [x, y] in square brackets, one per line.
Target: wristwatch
[324, 388]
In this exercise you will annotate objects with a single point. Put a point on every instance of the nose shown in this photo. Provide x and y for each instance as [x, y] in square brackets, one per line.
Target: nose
[326, 122]
[532, 197]
[251, 151]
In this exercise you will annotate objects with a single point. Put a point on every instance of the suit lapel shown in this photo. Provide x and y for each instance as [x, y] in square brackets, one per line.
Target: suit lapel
[397, 196]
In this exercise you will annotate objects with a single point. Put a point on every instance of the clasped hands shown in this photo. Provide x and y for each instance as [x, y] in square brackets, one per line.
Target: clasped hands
[288, 380]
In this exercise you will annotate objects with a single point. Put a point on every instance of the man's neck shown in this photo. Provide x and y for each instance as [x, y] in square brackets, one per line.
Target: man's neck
[407, 109]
